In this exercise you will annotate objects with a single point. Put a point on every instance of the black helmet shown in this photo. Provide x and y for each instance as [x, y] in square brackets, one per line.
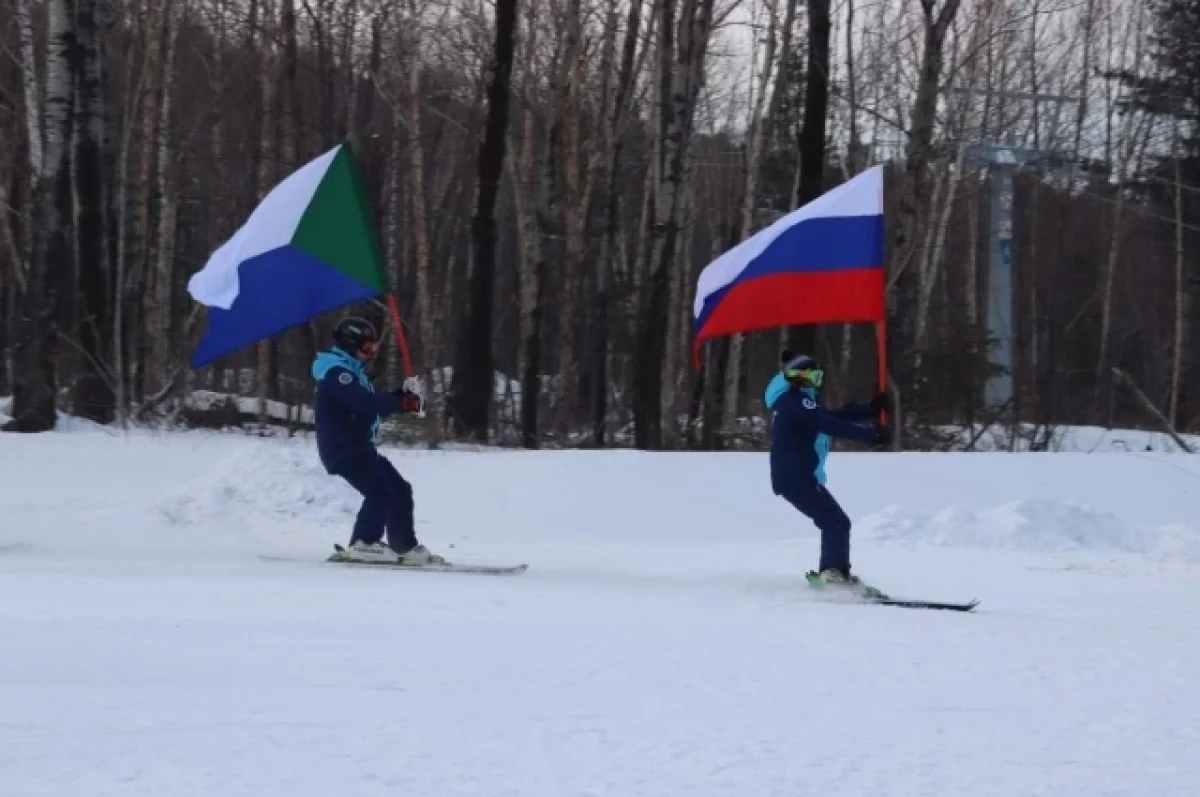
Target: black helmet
[351, 334]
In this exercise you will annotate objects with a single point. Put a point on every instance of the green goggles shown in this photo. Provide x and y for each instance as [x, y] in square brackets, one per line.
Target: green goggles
[815, 376]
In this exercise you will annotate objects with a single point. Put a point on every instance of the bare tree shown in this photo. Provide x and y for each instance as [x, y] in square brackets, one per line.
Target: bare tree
[35, 383]
[157, 305]
[683, 44]
[473, 373]
[94, 395]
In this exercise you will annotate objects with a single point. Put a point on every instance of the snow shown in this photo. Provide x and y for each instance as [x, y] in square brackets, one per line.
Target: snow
[662, 642]
[207, 400]
[1078, 439]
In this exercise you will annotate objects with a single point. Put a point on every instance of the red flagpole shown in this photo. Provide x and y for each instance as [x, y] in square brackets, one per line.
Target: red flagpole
[881, 358]
[394, 312]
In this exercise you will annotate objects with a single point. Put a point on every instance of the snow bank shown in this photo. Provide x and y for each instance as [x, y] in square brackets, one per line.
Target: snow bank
[264, 482]
[1032, 524]
[65, 422]
[207, 400]
[1140, 504]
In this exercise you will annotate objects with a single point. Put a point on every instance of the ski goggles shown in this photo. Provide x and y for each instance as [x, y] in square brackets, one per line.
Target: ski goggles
[815, 376]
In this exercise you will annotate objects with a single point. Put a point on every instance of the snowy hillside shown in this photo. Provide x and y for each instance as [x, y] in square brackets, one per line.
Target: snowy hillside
[662, 643]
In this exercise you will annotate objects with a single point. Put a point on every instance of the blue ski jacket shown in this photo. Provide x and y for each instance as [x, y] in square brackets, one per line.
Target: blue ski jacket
[348, 410]
[800, 434]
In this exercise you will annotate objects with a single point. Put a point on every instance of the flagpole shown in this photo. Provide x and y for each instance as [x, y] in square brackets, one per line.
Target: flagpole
[401, 342]
[881, 359]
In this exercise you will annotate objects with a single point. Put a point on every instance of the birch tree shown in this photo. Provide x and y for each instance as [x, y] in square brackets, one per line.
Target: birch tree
[157, 306]
[35, 385]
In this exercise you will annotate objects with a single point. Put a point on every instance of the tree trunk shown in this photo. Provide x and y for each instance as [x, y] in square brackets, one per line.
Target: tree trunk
[35, 385]
[911, 201]
[811, 179]
[944, 195]
[94, 395]
[681, 74]
[574, 206]
[420, 228]
[816, 105]
[156, 307]
[616, 139]
[474, 371]
[1182, 297]
[530, 278]
[266, 170]
[34, 124]
[142, 280]
[753, 164]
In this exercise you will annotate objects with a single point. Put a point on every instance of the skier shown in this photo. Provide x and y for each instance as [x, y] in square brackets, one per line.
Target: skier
[800, 433]
[348, 413]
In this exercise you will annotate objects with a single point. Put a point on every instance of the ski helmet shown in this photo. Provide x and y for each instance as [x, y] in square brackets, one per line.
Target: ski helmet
[352, 335]
[803, 366]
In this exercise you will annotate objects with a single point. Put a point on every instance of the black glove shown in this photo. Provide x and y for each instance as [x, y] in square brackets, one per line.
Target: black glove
[881, 403]
[883, 437]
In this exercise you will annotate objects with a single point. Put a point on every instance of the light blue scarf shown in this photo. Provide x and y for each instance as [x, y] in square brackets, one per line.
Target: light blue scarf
[328, 360]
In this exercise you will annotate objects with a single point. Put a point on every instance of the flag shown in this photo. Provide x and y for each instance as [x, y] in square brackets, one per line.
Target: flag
[309, 247]
[821, 263]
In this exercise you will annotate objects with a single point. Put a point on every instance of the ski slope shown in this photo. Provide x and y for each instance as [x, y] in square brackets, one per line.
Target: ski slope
[662, 643]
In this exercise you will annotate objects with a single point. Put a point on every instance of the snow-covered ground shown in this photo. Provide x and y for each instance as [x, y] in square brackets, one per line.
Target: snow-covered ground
[662, 643]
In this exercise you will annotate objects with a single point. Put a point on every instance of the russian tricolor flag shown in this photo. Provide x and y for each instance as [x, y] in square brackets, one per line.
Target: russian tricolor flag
[822, 263]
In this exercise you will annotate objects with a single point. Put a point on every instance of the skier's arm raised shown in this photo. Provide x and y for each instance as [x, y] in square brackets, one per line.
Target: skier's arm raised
[345, 389]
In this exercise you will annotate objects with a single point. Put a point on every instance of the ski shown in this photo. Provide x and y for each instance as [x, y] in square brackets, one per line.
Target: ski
[923, 604]
[338, 557]
[873, 595]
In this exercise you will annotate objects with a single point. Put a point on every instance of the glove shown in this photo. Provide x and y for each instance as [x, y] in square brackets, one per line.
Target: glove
[883, 437]
[881, 403]
[409, 401]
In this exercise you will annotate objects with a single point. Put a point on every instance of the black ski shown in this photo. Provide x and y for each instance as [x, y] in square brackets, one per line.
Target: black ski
[922, 604]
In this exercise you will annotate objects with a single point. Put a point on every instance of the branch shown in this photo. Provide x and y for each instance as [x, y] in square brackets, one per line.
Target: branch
[1145, 401]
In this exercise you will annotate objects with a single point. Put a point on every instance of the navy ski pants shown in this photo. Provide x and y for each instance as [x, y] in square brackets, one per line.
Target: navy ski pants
[819, 505]
[387, 502]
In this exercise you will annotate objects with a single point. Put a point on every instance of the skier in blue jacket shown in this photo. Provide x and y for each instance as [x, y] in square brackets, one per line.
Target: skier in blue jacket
[348, 414]
[800, 435]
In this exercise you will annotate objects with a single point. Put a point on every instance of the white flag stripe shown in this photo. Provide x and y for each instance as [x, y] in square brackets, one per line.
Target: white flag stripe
[861, 196]
[271, 226]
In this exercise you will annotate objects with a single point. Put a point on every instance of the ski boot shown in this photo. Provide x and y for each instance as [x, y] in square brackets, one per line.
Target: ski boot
[838, 578]
[360, 551]
[420, 556]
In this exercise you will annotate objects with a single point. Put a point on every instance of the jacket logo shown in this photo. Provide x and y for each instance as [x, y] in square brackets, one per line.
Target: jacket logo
[345, 378]
[808, 403]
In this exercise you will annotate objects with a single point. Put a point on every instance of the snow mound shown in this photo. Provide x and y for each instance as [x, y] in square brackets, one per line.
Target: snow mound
[283, 485]
[1032, 524]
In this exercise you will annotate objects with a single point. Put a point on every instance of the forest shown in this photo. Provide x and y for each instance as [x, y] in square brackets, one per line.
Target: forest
[549, 178]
